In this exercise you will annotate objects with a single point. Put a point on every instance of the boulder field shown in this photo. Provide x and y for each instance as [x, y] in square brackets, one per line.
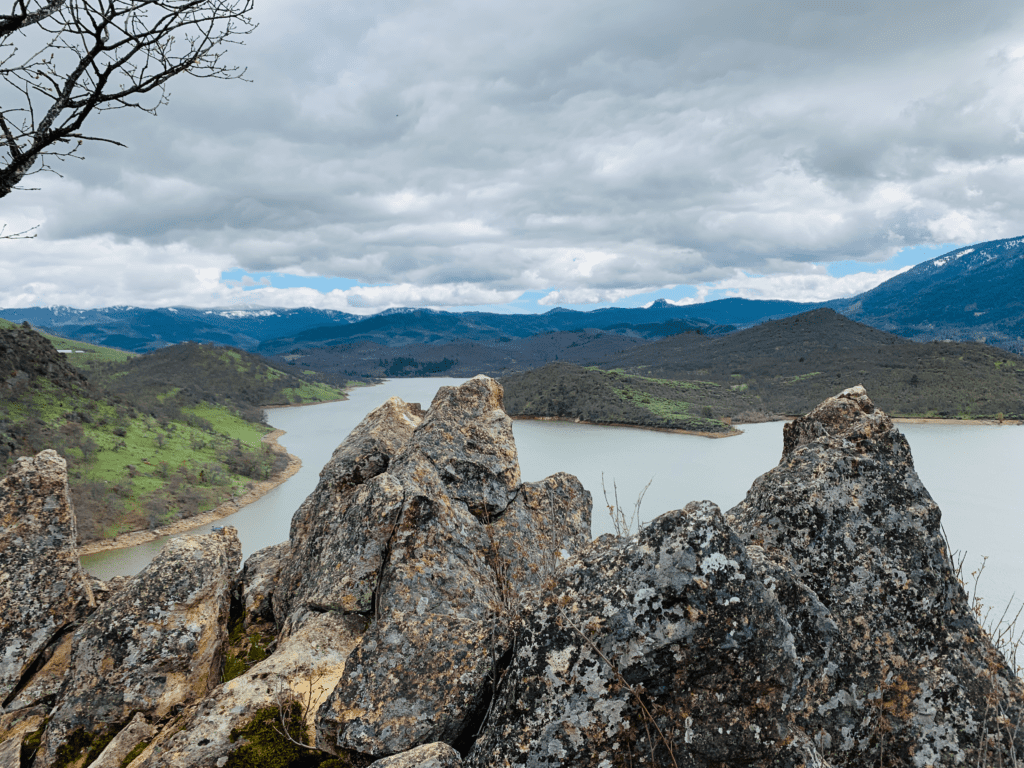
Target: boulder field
[430, 609]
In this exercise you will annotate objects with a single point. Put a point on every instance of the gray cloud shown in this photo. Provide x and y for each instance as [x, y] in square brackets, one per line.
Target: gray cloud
[459, 150]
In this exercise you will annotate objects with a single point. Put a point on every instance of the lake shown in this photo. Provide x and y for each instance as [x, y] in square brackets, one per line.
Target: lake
[974, 473]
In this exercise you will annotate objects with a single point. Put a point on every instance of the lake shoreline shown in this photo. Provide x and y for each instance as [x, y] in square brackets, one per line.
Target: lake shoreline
[134, 538]
[713, 435]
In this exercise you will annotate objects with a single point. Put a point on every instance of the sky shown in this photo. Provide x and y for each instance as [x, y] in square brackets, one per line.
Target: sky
[520, 156]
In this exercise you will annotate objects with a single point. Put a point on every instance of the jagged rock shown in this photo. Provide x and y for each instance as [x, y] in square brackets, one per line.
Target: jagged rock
[894, 662]
[664, 648]
[447, 574]
[260, 576]
[436, 755]
[43, 589]
[337, 543]
[304, 669]
[128, 738]
[154, 646]
[15, 728]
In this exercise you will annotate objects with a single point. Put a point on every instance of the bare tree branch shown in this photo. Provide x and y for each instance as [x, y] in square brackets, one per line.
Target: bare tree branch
[63, 60]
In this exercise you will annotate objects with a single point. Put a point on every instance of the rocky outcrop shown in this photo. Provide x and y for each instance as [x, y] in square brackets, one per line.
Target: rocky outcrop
[423, 671]
[43, 589]
[153, 647]
[301, 672]
[340, 533]
[665, 648]
[894, 661]
[431, 610]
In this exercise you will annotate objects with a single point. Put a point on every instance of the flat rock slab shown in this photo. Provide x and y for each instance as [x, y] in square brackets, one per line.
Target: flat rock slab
[303, 670]
[155, 645]
[43, 589]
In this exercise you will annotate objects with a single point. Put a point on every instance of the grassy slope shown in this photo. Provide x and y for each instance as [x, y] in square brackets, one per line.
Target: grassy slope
[139, 462]
[85, 355]
[567, 391]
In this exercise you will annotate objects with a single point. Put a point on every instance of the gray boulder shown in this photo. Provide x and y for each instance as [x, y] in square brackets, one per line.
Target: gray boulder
[895, 666]
[436, 755]
[43, 589]
[153, 647]
[662, 649]
[340, 533]
[467, 539]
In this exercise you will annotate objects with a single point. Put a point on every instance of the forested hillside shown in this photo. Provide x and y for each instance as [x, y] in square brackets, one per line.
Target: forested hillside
[565, 391]
[150, 439]
[792, 364]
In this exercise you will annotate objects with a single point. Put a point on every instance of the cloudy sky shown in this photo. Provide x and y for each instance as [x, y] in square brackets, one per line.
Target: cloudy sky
[524, 155]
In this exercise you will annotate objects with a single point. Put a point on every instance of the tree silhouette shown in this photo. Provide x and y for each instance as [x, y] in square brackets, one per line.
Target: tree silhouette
[61, 61]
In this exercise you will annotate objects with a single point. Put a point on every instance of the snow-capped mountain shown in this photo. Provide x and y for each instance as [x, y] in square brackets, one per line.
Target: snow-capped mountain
[972, 293]
[139, 330]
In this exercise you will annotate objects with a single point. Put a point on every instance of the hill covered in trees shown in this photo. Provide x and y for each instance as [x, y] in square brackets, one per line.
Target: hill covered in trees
[148, 439]
[566, 391]
[784, 367]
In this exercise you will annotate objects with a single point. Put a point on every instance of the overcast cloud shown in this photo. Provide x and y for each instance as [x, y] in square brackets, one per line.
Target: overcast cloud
[463, 153]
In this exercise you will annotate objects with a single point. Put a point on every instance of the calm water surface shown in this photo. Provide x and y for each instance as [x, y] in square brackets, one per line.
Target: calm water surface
[974, 473]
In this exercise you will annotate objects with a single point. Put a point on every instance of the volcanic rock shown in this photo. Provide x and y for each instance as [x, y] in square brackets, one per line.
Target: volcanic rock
[154, 646]
[43, 589]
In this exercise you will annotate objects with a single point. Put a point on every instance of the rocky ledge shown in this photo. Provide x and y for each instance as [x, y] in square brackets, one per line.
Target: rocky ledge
[432, 609]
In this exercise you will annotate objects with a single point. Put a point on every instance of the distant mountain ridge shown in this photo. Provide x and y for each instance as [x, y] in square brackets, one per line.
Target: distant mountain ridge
[975, 293]
[139, 329]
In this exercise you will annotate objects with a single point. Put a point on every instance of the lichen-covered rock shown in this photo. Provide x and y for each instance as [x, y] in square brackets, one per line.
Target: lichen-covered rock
[261, 576]
[43, 589]
[303, 670]
[895, 666]
[137, 732]
[154, 646]
[436, 755]
[337, 542]
[664, 648]
[466, 540]
[16, 730]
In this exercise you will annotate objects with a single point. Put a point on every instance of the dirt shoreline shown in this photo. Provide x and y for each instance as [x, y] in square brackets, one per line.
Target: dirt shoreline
[134, 538]
[714, 435]
[983, 422]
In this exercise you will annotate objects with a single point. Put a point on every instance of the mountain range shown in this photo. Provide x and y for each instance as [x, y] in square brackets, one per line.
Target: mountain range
[970, 294]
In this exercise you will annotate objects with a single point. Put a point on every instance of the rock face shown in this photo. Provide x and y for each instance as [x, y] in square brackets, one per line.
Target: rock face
[154, 646]
[893, 659]
[466, 539]
[43, 589]
[662, 647]
[431, 610]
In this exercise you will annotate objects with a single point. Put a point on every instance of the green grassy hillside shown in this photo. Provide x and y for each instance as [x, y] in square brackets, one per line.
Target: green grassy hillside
[149, 439]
